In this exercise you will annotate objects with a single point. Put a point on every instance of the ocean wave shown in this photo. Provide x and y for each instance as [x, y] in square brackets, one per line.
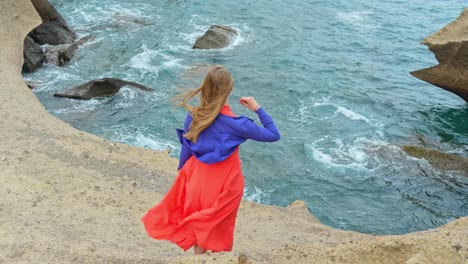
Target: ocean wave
[146, 62]
[351, 114]
[343, 111]
[127, 97]
[76, 106]
[334, 153]
[93, 16]
[258, 195]
[138, 138]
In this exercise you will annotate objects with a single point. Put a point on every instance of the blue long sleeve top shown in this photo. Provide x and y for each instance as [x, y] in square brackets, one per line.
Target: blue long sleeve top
[220, 139]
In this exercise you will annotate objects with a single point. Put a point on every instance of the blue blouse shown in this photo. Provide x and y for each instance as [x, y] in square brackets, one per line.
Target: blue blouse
[220, 139]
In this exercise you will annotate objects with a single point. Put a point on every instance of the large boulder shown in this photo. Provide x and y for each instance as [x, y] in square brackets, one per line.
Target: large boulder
[98, 88]
[53, 30]
[216, 37]
[32, 54]
[441, 160]
[450, 46]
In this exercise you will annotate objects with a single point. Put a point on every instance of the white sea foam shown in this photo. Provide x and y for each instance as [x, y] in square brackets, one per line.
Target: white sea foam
[351, 114]
[142, 61]
[358, 19]
[50, 77]
[342, 110]
[151, 61]
[128, 95]
[361, 153]
[340, 158]
[255, 194]
[144, 140]
[172, 62]
[301, 116]
[77, 106]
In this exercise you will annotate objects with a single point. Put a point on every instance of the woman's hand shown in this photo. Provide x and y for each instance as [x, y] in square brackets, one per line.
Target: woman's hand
[250, 103]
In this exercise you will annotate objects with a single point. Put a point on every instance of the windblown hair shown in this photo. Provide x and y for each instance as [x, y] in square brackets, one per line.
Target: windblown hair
[214, 92]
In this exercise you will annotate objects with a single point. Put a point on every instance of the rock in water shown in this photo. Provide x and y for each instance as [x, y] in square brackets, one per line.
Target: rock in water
[441, 160]
[54, 29]
[33, 55]
[61, 54]
[450, 46]
[99, 87]
[216, 37]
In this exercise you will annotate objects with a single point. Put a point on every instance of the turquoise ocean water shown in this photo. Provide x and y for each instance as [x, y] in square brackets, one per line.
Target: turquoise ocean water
[333, 74]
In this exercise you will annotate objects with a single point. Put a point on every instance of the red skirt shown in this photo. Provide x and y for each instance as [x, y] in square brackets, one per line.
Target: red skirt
[201, 206]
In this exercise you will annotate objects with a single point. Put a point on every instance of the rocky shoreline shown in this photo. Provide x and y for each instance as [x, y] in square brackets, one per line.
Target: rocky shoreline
[72, 197]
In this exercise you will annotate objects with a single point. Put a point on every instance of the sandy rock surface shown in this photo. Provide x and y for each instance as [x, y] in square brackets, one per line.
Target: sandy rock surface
[71, 197]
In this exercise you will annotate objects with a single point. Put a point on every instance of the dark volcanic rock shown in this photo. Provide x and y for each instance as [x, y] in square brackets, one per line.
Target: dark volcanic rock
[441, 160]
[33, 55]
[450, 46]
[216, 37]
[61, 54]
[99, 87]
[54, 29]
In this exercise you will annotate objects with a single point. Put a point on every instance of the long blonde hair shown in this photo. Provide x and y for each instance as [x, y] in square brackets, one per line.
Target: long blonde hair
[214, 92]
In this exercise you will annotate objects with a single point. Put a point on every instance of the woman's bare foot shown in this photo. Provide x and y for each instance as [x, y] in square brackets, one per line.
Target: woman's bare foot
[198, 250]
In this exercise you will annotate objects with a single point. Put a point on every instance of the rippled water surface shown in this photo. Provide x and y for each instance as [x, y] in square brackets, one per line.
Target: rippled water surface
[333, 74]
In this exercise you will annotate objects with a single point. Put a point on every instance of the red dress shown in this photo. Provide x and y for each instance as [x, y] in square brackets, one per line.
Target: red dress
[201, 206]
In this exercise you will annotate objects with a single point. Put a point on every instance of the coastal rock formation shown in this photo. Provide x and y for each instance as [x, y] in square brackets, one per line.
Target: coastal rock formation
[216, 37]
[68, 196]
[99, 87]
[441, 160]
[450, 46]
[32, 54]
[53, 30]
[61, 54]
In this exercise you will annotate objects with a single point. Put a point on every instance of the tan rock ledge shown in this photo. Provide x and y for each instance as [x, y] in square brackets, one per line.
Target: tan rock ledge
[450, 46]
[71, 197]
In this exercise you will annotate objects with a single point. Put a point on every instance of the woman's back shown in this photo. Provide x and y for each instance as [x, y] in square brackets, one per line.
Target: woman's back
[201, 207]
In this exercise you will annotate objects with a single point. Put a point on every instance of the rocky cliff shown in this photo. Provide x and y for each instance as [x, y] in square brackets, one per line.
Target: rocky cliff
[450, 46]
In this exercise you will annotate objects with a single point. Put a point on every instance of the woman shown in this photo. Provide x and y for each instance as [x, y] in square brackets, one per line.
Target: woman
[200, 208]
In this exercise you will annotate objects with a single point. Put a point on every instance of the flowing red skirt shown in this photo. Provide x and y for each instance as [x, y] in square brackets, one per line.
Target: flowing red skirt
[201, 206]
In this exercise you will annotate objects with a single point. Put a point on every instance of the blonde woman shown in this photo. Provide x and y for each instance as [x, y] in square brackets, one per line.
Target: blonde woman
[200, 208]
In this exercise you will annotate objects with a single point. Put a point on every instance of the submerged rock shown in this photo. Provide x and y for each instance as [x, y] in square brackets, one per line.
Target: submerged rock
[450, 46]
[99, 87]
[441, 160]
[32, 54]
[216, 37]
[53, 30]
